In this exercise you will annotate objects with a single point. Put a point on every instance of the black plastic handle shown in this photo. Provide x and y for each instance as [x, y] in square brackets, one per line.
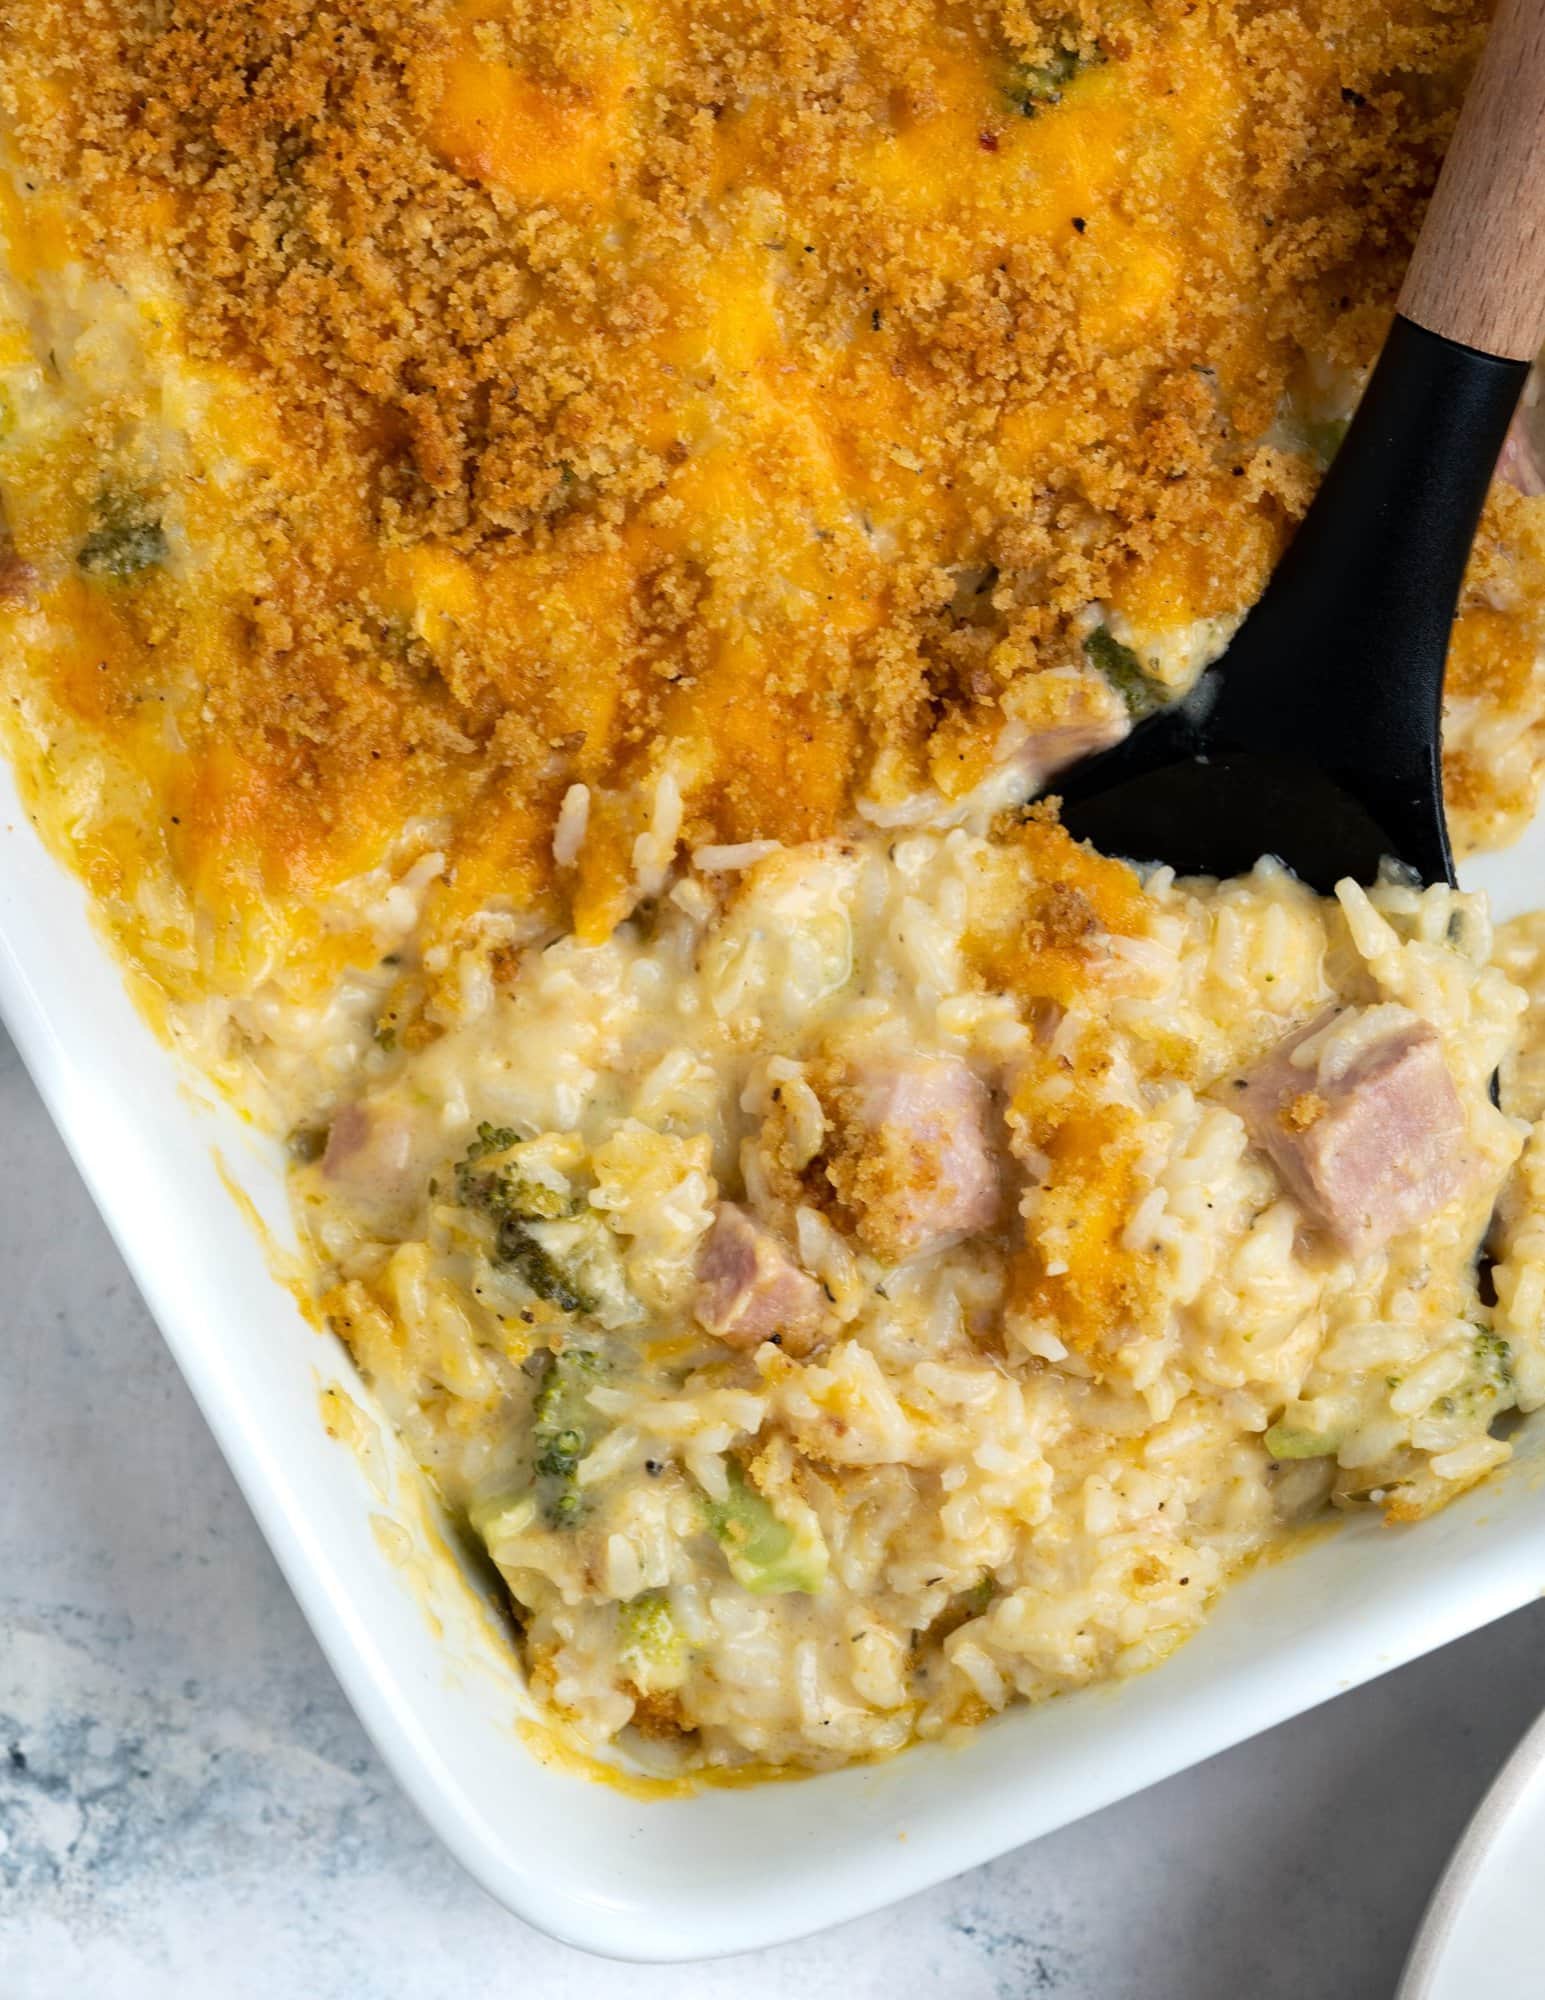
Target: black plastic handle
[1361, 609]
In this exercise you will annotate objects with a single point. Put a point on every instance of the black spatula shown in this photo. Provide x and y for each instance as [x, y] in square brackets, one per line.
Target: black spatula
[1316, 737]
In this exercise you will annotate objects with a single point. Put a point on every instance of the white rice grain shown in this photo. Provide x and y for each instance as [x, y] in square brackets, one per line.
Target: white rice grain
[572, 823]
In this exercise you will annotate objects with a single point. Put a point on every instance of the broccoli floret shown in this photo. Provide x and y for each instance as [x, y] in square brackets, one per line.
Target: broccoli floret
[492, 1185]
[563, 1427]
[1122, 668]
[496, 1187]
[491, 1139]
[560, 1248]
[582, 1257]
[562, 1423]
[539, 1269]
[765, 1554]
[650, 1648]
[1495, 1358]
[127, 540]
[981, 1593]
[1284, 1441]
[1036, 86]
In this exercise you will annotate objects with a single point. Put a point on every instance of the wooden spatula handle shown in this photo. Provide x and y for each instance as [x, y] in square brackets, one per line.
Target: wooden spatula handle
[1478, 275]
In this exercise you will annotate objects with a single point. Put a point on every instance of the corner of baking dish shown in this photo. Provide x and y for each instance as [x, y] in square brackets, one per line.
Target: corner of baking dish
[719, 1869]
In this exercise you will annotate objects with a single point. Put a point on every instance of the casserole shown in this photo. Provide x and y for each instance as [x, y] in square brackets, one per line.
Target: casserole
[600, 1866]
[669, 1213]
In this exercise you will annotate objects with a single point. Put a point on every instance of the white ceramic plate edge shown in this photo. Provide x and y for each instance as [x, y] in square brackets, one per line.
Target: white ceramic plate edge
[1424, 1968]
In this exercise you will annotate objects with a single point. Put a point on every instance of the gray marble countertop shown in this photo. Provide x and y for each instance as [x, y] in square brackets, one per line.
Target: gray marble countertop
[188, 1807]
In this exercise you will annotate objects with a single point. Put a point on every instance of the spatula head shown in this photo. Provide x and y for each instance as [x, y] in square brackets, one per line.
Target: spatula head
[1316, 737]
[1218, 812]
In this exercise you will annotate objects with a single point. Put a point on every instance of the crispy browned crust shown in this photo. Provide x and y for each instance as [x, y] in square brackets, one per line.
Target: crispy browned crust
[877, 1173]
[761, 410]
[659, 1717]
[1299, 1112]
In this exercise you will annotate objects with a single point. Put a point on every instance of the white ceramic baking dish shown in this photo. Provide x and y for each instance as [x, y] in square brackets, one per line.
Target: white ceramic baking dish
[723, 1870]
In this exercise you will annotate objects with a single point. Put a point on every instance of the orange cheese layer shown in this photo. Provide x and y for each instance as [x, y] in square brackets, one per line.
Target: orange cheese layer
[539, 394]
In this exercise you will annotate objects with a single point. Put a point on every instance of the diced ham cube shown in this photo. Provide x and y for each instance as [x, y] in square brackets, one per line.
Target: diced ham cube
[749, 1289]
[1370, 1135]
[916, 1165]
[369, 1156]
[1053, 749]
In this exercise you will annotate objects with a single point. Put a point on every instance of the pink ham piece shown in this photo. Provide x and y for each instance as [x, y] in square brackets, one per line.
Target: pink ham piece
[1370, 1151]
[749, 1289]
[1053, 749]
[1067, 741]
[369, 1157]
[919, 1172]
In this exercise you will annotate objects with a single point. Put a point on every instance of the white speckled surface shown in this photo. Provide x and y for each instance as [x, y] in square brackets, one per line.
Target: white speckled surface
[187, 1806]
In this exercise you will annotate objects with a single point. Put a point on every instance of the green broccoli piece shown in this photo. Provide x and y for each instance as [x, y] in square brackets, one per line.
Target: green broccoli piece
[127, 540]
[492, 1186]
[981, 1594]
[765, 1555]
[1284, 1441]
[1494, 1357]
[499, 1190]
[1122, 668]
[562, 1426]
[650, 1646]
[538, 1269]
[1036, 86]
[491, 1139]
[577, 1257]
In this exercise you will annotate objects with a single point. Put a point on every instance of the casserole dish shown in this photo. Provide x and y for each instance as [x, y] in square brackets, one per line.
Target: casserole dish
[608, 1867]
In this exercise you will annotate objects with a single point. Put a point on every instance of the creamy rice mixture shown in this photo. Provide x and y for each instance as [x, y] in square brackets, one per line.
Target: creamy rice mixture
[543, 548]
[1005, 1463]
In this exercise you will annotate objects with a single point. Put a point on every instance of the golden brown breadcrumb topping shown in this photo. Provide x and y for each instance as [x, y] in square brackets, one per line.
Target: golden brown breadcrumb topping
[775, 392]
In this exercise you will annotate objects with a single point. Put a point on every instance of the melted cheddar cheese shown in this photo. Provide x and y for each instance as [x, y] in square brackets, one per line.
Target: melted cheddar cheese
[459, 456]
[516, 394]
